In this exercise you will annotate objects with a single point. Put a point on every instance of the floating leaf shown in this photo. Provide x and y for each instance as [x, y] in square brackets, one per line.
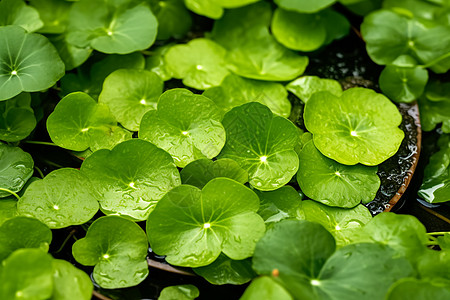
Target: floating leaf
[16, 167]
[173, 18]
[69, 282]
[331, 183]
[307, 267]
[252, 51]
[304, 87]
[16, 12]
[28, 62]
[117, 247]
[27, 274]
[192, 226]
[129, 94]
[435, 187]
[79, 123]
[200, 63]
[201, 171]
[265, 288]
[389, 35]
[224, 270]
[63, 198]
[185, 125]
[262, 144]
[235, 91]
[23, 232]
[131, 178]
[403, 84]
[343, 224]
[359, 127]
[304, 5]
[416, 289]
[179, 292]
[404, 233]
[284, 203]
[17, 118]
[114, 27]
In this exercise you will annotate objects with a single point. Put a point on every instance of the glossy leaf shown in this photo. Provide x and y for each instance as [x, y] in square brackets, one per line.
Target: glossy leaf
[227, 271]
[359, 127]
[192, 226]
[130, 179]
[434, 112]
[304, 87]
[342, 223]
[157, 64]
[17, 12]
[304, 5]
[214, 8]
[201, 171]
[403, 84]
[69, 282]
[185, 125]
[416, 289]
[200, 63]
[262, 144]
[8, 209]
[265, 288]
[333, 184]
[79, 123]
[16, 167]
[179, 292]
[71, 55]
[27, 274]
[22, 232]
[173, 18]
[118, 248]
[63, 198]
[17, 119]
[129, 94]
[284, 203]
[113, 27]
[235, 91]
[28, 62]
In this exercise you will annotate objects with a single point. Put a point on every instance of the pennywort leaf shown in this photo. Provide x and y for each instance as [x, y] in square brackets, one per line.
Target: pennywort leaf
[17, 119]
[16, 167]
[17, 12]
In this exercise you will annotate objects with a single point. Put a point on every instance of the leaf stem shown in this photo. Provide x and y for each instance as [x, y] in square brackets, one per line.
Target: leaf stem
[66, 240]
[11, 192]
[39, 171]
[438, 233]
[40, 143]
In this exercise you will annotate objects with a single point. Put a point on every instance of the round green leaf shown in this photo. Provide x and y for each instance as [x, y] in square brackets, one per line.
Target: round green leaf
[235, 91]
[433, 113]
[306, 6]
[331, 183]
[27, 275]
[63, 198]
[201, 171]
[78, 123]
[8, 209]
[16, 167]
[262, 144]
[284, 203]
[118, 249]
[343, 224]
[200, 63]
[71, 55]
[185, 125]
[389, 35]
[304, 87]
[296, 31]
[16, 12]
[17, 118]
[54, 14]
[23, 232]
[403, 84]
[174, 19]
[116, 27]
[214, 8]
[179, 292]
[129, 94]
[192, 226]
[227, 271]
[28, 62]
[415, 289]
[265, 288]
[359, 127]
[157, 64]
[131, 178]
[69, 282]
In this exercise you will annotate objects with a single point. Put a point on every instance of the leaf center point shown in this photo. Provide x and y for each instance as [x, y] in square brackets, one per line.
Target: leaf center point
[353, 133]
[263, 159]
[315, 282]
[14, 72]
[206, 225]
